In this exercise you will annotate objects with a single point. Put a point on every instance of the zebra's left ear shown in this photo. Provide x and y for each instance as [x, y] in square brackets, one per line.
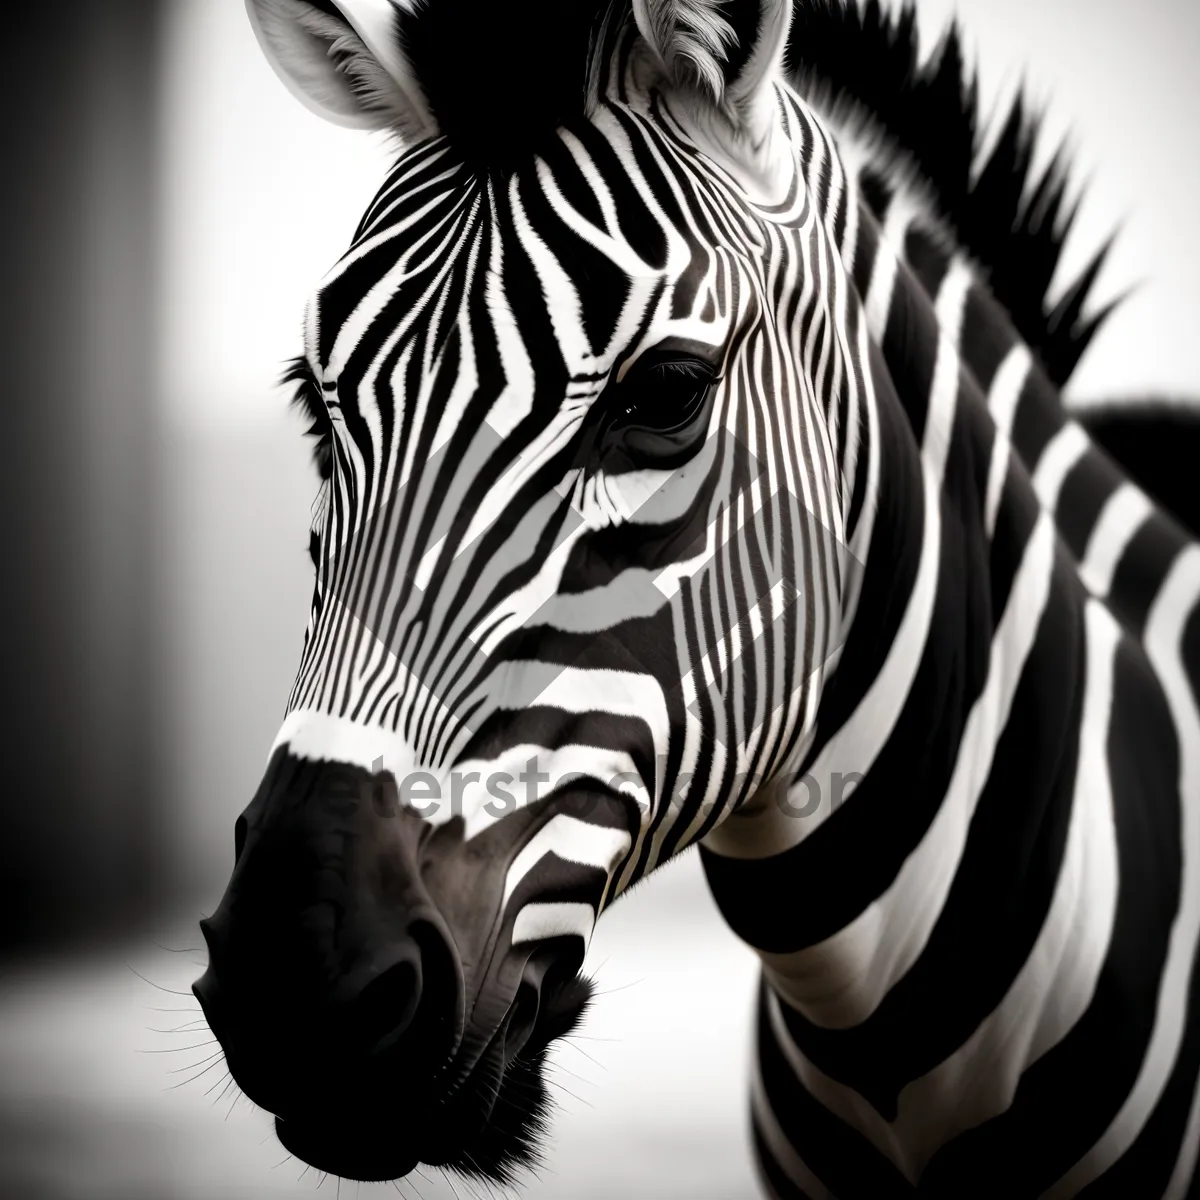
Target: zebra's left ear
[344, 60]
[729, 51]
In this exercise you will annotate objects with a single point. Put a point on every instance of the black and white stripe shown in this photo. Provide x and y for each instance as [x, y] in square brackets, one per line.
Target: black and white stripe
[978, 972]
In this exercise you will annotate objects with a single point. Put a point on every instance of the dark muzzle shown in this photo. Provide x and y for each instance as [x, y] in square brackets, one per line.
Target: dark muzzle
[333, 984]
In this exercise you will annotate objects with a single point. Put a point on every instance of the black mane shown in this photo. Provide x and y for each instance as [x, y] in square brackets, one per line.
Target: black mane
[1013, 223]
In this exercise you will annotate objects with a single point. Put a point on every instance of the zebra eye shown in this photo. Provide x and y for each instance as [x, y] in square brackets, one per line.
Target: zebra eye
[663, 392]
[662, 408]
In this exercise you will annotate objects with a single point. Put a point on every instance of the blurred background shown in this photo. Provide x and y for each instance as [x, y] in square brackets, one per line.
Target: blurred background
[168, 208]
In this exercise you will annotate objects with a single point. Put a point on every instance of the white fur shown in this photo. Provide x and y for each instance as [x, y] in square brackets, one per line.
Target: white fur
[736, 123]
[752, 94]
[689, 36]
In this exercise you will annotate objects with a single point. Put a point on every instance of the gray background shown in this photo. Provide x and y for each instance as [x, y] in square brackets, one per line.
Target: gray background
[171, 208]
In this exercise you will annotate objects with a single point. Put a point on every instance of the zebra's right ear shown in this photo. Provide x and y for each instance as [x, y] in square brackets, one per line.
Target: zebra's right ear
[729, 51]
[343, 59]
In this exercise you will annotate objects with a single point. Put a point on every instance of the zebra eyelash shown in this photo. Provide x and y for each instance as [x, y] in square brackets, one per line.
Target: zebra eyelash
[310, 401]
[693, 368]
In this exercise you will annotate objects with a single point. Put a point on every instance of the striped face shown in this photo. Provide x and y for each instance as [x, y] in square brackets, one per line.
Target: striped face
[580, 478]
[577, 572]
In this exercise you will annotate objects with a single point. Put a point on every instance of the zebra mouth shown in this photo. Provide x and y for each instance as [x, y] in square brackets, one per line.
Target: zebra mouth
[489, 1127]
[505, 1103]
[351, 1149]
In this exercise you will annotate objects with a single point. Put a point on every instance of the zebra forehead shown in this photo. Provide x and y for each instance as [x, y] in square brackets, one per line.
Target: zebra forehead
[573, 237]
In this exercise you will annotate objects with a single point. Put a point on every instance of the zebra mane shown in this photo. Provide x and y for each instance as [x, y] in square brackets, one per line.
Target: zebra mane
[860, 62]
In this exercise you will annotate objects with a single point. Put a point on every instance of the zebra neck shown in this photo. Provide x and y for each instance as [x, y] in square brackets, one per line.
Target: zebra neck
[1008, 696]
[923, 605]
[959, 561]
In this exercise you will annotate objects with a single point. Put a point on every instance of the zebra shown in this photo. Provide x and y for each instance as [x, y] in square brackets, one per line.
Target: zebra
[694, 472]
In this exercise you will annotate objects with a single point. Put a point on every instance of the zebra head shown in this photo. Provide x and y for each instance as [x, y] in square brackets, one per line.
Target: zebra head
[576, 387]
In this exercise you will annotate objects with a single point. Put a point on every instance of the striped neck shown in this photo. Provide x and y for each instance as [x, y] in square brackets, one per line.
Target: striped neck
[955, 548]
[980, 905]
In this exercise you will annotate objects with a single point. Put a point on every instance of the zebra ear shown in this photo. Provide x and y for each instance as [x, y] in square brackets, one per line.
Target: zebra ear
[729, 51]
[343, 59]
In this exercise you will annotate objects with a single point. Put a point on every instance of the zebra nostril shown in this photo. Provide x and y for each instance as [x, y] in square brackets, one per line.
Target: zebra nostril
[211, 932]
[385, 1008]
[239, 838]
[523, 1017]
[409, 1008]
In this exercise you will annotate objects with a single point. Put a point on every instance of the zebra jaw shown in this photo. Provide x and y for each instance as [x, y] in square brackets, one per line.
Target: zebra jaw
[497, 1117]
